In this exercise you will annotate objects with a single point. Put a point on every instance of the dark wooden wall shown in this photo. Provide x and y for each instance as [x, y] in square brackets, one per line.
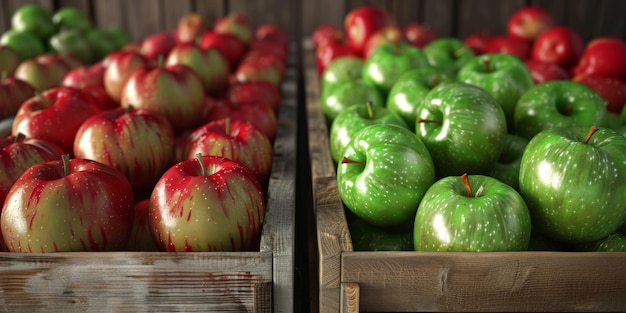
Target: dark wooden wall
[459, 18]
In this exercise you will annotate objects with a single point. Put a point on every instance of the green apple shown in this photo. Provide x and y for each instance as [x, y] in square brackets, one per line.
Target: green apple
[353, 119]
[389, 61]
[35, 19]
[336, 98]
[24, 43]
[410, 89]
[385, 171]
[502, 75]
[101, 42]
[448, 54]
[342, 69]
[472, 213]
[9, 60]
[366, 237]
[573, 180]
[613, 243]
[119, 36]
[463, 127]
[507, 166]
[555, 104]
[71, 18]
[73, 42]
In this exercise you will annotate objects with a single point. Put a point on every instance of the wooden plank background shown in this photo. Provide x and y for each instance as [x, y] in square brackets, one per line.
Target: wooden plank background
[458, 18]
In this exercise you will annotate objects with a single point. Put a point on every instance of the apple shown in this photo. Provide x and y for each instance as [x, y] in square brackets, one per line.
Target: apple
[385, 34]
[558, 44]
[74, 42]
[237, 140]
[260, 67]
[463, 127]
[229, 45]
[353, 119]
[55, 115]
[68, 205]
[157, 45]
[506, 169]
[257, 113]
[615, 242]
[361, 22]
[389, 61]
[329, 51]
[140, 238]
[611, 89]
[419, 34]
[406, 95]
[273, 34]
[9, 60]
[472, 213]
[236, 24]
[573, 179]
[503, 76]
[603, 56]
[190, 27]
[510, 45]
[261, 91]
[327, 33]
[342, 69]
[209, 203]
[101, 43]
[137, 142]
[209, 64]
[13, 92]
[35, 19]
[42, 73]
[365, 237]
[103, 100]
[71, 18]
[545, 71]
[448, 54]
[119, 66]
[478, 42]
[335, 99]
[528, 22]
[172, 90]
[558, 103]
[18, 153]
[85, 75]
[383, 174]
[25, 44]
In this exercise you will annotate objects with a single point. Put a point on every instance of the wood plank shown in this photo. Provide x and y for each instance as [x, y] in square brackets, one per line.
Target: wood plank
[440, 15]
[109, 13]
[503, 281]
[474, 18]
[611, 22]
[350, 296]
[173, 10]
[132, 281]
[211, 10]
[316, 13]
[333, 238]
[406, 12]
[83, 5]
[151, 20]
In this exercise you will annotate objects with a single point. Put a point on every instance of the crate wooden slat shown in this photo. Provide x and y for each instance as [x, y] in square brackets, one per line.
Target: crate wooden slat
[359, 281]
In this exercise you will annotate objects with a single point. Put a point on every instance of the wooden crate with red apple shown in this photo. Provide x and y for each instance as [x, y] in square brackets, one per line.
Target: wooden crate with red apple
[155, 175]
[436, 258]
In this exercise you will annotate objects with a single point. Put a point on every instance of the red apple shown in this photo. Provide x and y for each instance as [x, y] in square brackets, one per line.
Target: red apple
[604, 56]
[558, 44]
[102, 97]
[13, 92]
[175, 91]
[611, 89]
[69, 205]
[137, 142]
[157, 45]
[544, 71]
[236, 24]
[478, 42]
[260, 67]
[120, 65]
[231, 47]
[528, 22]
[419, 34]
[385, 34]
[208, 203]
[209, 64]
[262, 91]
[43, 72]
[190, 27]
[85, 75]
[9, 60]
[257, 113]
[237, 140]
[328, 52]
[510, 45]
[140, 238]
[269, 47]
[364, 21]
[272, 33]
[18, 153]
[55, 115]
[327, 33]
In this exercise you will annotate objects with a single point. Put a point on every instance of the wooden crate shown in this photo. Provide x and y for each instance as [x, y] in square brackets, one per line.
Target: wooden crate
[359, 281]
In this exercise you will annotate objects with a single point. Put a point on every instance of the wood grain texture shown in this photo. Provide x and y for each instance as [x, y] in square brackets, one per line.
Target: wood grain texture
[107, 14]
[492, 20]
[350, 296]
[173, 10]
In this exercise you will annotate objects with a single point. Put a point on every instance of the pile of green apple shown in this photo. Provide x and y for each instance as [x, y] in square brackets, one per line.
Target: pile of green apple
[163, 145]
[463, 149]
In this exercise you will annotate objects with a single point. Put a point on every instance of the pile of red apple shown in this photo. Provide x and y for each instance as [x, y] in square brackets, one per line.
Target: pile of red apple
[488, 143]
[163, 145]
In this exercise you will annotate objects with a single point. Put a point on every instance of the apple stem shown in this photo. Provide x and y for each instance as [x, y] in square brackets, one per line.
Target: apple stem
[487, 65]
[3, 77]
[128, 109]
[160, 60]
[465, 179]
[345, 160]
[227, 126]
[592, 131]
[19, 137]
[370, 109]
[202, 164]
[435, 82]
[421, 120]
[42, 99]
[66, 164]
